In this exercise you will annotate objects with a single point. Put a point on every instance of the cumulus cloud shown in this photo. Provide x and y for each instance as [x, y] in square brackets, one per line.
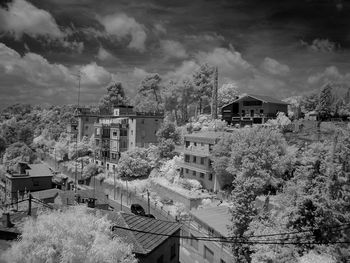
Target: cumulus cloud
[272, 66]
[159, 28]
[321, 45]
[330, 74]
[32, 78]
[103, 54]
[22, 17]
[125, 27]
[173, 48]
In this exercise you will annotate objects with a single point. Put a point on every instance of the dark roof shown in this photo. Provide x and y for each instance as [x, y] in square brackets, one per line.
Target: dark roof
[143, 243]
[69, 196]
[39, 169]
[263, 98]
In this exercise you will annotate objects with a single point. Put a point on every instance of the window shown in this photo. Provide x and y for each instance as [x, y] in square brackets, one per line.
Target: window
[143, 121]
[115, 133]
[172, 251]
[107, 166]
[194, 242]
[194, 159]
[132, 132]
[208, 254]
[114, 156]
[186, 170]
[187, 158]
[113, 167]
[195, 144]
[210, 177]
[123, 132]
[194, 173]
[187, 143]
[261, 111]
[160, 259]
[35, 183]
[202, 160]
[202, 175]
[86, 127]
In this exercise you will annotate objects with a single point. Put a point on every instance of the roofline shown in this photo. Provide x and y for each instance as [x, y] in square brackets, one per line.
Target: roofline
[252, 96]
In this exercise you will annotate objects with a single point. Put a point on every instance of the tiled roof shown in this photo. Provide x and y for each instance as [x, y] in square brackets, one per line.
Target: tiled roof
[143, 243]
[209, 216]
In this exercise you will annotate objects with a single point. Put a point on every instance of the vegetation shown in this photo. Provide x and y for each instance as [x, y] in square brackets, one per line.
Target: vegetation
[74, 235]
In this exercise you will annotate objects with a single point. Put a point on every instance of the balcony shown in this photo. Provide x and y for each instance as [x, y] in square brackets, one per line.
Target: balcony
[194, 166]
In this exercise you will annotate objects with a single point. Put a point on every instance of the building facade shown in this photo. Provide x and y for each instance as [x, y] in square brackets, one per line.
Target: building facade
[197, 163]
[204, 223]
[27, 178]
[122, 131]
[253, 109]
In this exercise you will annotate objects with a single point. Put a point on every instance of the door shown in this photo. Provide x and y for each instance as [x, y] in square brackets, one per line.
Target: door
[251, 113]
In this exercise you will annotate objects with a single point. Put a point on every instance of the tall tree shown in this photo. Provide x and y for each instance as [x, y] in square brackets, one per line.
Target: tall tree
[325, 102]
[115, 96]
[149, 93]
[203, 84]
[227, 93]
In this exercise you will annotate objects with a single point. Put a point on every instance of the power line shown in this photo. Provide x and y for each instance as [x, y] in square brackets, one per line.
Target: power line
[232, 241]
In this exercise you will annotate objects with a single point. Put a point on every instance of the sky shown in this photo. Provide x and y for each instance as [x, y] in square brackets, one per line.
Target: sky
[271, 47]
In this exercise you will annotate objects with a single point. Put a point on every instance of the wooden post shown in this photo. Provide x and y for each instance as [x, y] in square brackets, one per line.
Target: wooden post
[148, 203]
[30, 205]
[121, 201]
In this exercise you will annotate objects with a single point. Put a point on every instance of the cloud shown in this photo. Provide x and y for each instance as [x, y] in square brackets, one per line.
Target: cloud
[22, 17]
[104, 54]
[321, 45]
[125, 27]
[272, 66]
[159, 28]
[33, 79]
[330, 74]
[173, 48]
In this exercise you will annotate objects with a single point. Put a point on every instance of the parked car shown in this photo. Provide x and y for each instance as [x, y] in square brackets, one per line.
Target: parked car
[137, 210]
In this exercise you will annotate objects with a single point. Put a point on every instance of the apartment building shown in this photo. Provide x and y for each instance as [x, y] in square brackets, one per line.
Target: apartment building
[253, 109]
[197, 163]
[122, 131]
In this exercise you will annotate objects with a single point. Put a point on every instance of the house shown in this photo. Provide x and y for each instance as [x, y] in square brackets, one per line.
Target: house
[206, 222]
[27, 177]
[197, 162]
[122, 131]
[252, 109]
[153, 240]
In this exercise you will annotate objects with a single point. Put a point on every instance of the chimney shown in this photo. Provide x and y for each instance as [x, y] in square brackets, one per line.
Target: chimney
[6, 220]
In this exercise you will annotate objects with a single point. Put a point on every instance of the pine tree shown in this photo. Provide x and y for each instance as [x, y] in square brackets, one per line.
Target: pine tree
[325, 102]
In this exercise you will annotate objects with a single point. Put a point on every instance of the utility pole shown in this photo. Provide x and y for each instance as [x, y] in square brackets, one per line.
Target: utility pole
[148, 203]
[114, 182]
[214, 98]
[76, 141]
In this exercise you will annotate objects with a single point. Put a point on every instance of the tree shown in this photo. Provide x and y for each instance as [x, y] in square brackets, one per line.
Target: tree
[167, 131]
[18, 152]
[26, 135]
[74, 235]
[115, 96]
[91, 170]
[325, 102]
[134, 163]
[148, 96]
[310, 103]
[2, 145]
[203, 84]
[227, 94]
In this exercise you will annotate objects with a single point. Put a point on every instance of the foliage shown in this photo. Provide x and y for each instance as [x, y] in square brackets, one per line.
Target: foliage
[2, 145]
[62, 147]
[167, 131]
[90, 170]
[115, 96]
[26, 135]
[325, 102]
[282, 122]
[227, 94]
[148, 96]
[74, 235]
[134, 163]
[203, 84]
[18, 152]
[81, 149]
[310, 103]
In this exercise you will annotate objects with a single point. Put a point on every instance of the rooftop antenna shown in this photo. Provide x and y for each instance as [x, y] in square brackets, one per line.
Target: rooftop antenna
[76, 112]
